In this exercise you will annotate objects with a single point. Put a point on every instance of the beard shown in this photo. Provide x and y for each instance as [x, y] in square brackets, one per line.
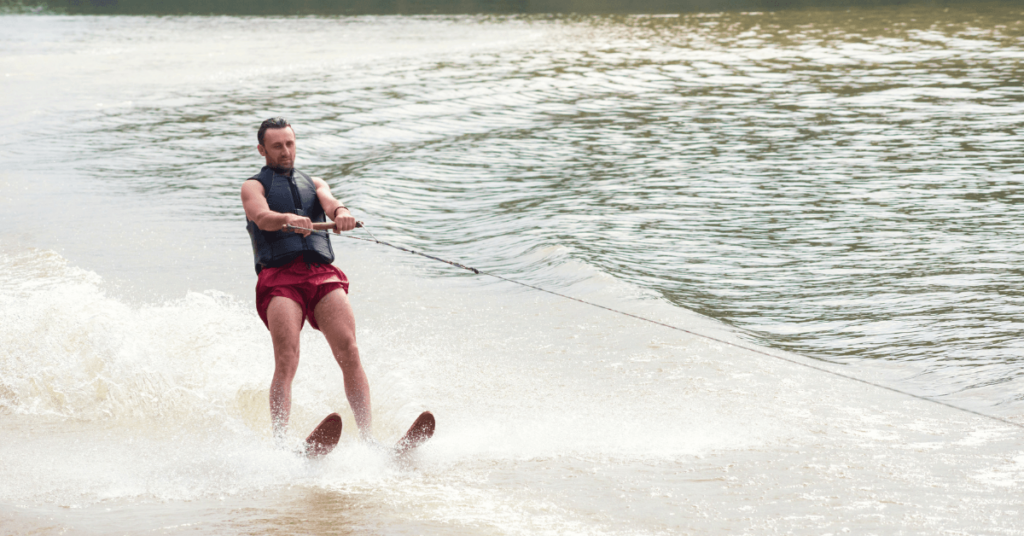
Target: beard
[282, 166]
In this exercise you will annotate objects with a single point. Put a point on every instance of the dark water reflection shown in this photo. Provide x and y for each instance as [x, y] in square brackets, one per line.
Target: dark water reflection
[451, 7]
[845, 185]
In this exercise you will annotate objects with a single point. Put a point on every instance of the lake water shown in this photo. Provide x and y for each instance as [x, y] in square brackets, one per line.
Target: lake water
[841, 188]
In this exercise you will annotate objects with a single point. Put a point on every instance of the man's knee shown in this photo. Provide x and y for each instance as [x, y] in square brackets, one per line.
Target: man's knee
[347, 352]
[286, 361]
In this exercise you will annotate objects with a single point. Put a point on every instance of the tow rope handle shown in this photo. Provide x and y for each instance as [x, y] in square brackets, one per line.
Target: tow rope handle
[319, 226]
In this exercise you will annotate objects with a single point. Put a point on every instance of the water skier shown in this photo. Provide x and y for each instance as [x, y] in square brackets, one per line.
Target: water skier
[296, 280]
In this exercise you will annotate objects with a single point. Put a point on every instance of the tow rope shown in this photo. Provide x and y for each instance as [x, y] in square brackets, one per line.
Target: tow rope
[322, 228]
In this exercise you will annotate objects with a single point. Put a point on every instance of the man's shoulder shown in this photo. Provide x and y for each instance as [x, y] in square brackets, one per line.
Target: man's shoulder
[315, 181]
[263, 177]
[256, 183]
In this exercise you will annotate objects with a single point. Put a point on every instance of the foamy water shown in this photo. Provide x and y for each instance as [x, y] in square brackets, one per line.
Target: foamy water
[113, 410]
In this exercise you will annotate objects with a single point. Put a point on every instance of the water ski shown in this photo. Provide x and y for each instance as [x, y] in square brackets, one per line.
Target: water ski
[324, 437]
[421, 430]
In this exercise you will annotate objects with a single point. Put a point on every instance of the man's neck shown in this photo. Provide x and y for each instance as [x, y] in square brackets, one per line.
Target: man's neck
[287, 172]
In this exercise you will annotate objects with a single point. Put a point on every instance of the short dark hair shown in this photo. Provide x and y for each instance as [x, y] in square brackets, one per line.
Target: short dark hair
[273, 122]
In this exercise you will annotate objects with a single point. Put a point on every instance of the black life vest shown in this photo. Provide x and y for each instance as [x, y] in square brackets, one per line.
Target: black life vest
[297, 195]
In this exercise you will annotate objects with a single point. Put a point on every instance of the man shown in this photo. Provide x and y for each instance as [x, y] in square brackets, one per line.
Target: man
[296, 280]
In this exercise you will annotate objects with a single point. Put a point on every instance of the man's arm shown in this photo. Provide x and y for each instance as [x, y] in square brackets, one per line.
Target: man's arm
[254, 201]
[343, 221]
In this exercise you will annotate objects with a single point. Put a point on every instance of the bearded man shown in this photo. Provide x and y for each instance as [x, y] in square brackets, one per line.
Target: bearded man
[296, 280]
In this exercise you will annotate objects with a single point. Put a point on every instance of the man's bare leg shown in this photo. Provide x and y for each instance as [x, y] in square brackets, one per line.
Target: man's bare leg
[338, 324]
[284, 317]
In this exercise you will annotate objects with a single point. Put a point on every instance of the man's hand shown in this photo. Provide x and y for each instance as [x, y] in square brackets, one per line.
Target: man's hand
[343, 220]
[297, 221]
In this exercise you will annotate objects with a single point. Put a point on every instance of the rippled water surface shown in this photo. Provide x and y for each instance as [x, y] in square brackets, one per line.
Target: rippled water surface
[844, 185]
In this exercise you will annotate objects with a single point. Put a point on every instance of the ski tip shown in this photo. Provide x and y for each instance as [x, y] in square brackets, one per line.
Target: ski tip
[421, 430]
[324, 437]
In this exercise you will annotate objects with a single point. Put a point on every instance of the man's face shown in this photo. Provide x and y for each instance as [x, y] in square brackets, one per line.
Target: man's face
[279, 147]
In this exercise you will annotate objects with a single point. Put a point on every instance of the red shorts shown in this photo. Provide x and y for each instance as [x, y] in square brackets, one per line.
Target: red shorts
[304, 284]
